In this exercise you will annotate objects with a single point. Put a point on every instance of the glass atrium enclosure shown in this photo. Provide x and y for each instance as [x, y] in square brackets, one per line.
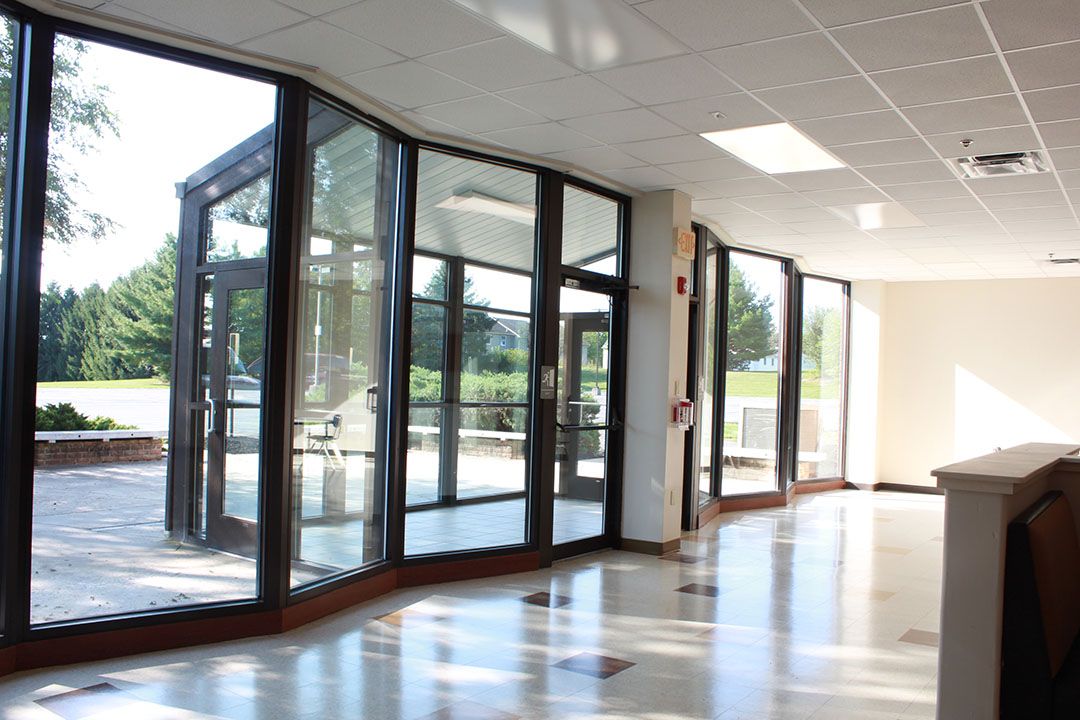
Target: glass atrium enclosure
[329, 359]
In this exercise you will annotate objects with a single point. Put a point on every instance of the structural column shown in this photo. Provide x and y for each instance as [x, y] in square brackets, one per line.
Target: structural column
[656, 375]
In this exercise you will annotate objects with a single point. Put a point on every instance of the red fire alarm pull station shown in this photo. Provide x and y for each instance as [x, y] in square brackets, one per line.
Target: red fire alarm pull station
[682, 285]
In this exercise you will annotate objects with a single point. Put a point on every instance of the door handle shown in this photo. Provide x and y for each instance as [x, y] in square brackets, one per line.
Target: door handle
[213, 417]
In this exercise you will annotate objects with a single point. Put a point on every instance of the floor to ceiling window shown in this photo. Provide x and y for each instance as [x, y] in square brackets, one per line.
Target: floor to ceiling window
[754, 357]
[822, 378]
[125, 128]
[342, 346]
[468, 458]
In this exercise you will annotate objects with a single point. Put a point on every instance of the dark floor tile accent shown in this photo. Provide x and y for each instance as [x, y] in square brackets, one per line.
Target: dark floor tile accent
[102, 698]
[408, 618]
[920, 637]
[700, 589]
[881, 595]
[546, 599]
[598, 666]
[891, 550]
[680, 558]
[469, 710]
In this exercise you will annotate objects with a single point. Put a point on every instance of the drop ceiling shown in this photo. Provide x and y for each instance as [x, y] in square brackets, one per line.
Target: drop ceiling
[890, 87]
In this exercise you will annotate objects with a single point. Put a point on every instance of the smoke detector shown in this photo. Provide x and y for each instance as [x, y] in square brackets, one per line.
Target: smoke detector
[1014, 163]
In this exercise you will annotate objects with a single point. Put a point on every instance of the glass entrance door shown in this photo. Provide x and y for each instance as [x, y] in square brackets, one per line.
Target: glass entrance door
[583, 412]
[231, 378]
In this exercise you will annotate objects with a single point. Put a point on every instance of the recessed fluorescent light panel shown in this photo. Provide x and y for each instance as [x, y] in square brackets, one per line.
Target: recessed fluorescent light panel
[589, 34]
[877, 216]
[472, 201]
[774, 149]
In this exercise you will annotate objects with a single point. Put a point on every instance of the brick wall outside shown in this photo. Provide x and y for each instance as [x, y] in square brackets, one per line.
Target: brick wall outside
[89, 452]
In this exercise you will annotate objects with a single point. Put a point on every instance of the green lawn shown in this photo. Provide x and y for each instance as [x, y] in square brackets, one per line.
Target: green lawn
[137, 384]
[764, 384]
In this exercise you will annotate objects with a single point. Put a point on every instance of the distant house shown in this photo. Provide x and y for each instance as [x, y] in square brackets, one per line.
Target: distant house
[769, 364]
[508, 334]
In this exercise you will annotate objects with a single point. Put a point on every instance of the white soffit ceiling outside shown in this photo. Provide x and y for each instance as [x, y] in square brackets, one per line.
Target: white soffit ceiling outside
[890, 88]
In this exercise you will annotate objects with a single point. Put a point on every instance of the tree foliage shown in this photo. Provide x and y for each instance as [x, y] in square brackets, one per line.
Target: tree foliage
[751, 330]
[143, 305]
[821, 341]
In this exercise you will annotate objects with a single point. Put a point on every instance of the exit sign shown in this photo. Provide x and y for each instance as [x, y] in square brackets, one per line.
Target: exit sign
[685, 243]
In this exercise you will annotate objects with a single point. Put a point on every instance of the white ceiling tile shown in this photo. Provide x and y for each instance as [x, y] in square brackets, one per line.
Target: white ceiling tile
[643, 177]
[1074, 195]
[946, 34]
[481, 114]
[822, 180]
[715, 207]
[985, 142]
[433, 125]
[569, 97]
[410, 84]
[798, 215]
[227, 23]
[970, 217]
[317, 7]
[1033, 228]
[323, 46]
[839, 96]
[665, 81]
[745, 186]
[883, 152]
[819, 227]
[413, 27]
[1054, 104]
[678, 149]
[762, 231]
[1060, 134]
[940, 205]
[1070, 178]
[842, 12]
[1046, 66]
[924, 171]
[597, 159]
[847, 196]
[122, 12]
[774, 202]
[1022, 23]
[694, 190]
[720, 168]
[982, 231]
[1042, 198]
[702, 24]
[940, 82]
[803, 58]
[741, 220]
[739, 110]
[625, 126]
[540, 139]
[499, 64]
[1023, 214]
[964, 115]
[864, 127]
[1012, 183]
[946, 254]
[1066, 158]
[927, 190]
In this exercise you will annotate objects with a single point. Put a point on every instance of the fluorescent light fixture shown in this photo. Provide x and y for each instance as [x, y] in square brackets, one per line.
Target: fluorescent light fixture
[877, 216]
[588, 34]
[774, 149]
[472, 201]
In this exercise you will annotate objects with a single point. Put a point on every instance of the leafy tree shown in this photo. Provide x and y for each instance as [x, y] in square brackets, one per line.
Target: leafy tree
[428, 330]
[142, 305]
[751, 331]
[821, 340]
[79, 116]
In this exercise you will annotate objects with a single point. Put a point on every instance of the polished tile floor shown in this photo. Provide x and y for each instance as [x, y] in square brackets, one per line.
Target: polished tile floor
[826, 609]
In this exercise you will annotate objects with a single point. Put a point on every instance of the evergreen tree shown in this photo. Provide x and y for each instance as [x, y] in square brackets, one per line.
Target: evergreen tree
[142, 305]
[53, 351]
[751, 331]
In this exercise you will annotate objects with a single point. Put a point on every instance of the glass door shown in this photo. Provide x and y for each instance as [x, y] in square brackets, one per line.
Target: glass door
[584, 418]
[232, 352]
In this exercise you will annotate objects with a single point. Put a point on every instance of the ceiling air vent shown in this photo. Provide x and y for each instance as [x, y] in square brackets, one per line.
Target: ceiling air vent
[1014, 163]
[1062, 260]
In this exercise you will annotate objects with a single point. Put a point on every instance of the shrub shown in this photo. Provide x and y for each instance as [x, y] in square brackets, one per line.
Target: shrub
[63, 416]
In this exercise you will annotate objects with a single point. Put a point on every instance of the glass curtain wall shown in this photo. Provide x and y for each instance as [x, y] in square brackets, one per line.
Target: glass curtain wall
[822, 382]
[472, 286]
[708, 315]
[125, 128]
[754, 361]
[342, 347]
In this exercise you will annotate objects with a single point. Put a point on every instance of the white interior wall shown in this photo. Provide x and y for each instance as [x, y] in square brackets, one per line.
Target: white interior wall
[864, 388]
[965, 367]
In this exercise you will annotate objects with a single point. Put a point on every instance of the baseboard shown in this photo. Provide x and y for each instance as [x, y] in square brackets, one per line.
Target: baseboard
[866, 487]
[647, 547]
[801, 488]
[752, 503]
[918, 489]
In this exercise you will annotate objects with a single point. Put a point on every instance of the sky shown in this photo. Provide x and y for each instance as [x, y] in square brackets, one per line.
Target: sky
[173, 119]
